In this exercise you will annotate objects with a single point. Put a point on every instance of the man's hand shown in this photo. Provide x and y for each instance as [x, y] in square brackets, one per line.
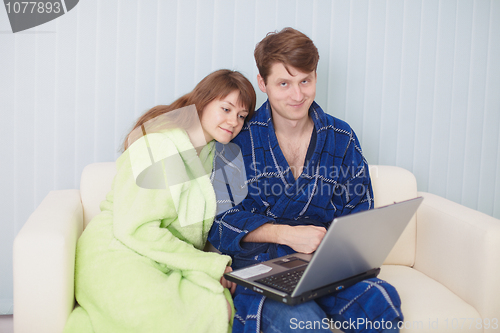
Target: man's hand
[302, 238]
[228, 284]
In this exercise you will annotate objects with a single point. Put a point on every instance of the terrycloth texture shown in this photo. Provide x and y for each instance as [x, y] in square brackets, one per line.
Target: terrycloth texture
[335, 182]
[137, 268]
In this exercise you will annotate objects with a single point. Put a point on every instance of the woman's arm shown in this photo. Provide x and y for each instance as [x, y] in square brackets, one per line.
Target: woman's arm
[147, 220]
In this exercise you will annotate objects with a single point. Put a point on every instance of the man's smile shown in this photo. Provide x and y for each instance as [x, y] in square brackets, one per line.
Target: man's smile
[297, 105]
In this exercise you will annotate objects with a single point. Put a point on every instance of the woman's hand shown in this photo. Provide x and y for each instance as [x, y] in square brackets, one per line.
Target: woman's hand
[228, 284]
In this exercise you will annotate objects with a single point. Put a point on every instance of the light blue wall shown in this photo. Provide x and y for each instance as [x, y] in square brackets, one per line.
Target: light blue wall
[418, 80]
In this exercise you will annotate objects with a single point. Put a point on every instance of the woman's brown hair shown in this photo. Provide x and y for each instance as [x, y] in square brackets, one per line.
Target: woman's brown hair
[216, 85]
[289, 47]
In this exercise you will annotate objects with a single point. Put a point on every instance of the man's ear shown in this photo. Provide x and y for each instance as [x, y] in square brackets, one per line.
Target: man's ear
[262, 84]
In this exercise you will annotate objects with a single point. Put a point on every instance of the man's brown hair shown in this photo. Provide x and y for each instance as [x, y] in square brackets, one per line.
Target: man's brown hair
[289, 47]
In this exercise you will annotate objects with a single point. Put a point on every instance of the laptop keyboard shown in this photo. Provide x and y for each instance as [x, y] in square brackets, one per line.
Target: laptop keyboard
[286, 281]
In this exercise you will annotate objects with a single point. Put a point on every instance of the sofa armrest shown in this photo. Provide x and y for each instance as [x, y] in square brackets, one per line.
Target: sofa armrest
[44, 263]
[460, 248]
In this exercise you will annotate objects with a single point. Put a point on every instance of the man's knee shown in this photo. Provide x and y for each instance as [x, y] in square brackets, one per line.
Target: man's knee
[303, 317]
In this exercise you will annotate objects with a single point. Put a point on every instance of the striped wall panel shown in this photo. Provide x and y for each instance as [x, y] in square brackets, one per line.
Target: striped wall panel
[418, 80]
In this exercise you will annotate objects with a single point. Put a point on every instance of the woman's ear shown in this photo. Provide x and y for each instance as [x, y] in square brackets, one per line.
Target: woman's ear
[262, 84]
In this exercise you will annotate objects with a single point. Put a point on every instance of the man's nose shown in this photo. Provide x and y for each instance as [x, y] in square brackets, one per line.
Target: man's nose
[297, 94]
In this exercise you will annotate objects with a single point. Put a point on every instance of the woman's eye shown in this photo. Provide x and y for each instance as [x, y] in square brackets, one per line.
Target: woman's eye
[242, 116]
[225, 109]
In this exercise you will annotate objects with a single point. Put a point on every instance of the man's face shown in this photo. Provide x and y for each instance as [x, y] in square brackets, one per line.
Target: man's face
[290, 96]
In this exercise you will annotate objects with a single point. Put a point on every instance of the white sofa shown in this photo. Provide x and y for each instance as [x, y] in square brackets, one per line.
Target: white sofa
[445, 266]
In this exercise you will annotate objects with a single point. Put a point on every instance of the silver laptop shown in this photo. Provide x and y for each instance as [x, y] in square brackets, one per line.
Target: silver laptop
[352, 250]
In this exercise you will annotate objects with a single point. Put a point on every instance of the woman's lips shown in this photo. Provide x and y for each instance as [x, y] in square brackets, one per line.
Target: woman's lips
[226, 130]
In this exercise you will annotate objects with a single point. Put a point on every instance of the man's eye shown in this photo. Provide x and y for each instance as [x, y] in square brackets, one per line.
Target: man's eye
[305, 81]
[283, 84]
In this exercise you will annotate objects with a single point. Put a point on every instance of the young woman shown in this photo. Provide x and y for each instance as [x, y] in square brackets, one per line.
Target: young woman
[140, 264]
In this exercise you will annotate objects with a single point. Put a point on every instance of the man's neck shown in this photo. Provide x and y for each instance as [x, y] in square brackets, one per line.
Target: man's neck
[292, 128]
[293, 138]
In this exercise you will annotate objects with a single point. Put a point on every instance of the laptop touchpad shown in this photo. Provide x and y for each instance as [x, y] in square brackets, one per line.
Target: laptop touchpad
[291, 262]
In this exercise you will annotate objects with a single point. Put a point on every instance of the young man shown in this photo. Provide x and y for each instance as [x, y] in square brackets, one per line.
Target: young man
[304, 168]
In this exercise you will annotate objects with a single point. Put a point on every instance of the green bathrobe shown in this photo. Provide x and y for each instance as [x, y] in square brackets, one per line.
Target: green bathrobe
[139, 263]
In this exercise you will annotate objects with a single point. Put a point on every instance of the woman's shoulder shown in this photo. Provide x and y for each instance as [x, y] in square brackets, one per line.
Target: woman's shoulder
[152, 147]
[174, 138]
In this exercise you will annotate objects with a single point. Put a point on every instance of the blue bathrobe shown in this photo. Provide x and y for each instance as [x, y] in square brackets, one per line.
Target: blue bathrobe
[335, 182]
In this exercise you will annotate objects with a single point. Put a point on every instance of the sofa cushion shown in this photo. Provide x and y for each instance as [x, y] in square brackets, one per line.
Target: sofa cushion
[468, 244]
[427, 305]
[94, 185]
[393, 184]
[390, 184]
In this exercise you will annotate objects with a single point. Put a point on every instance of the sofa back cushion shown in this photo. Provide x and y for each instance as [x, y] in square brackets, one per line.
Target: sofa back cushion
[390, 184]
[94, 185]
[394, 184]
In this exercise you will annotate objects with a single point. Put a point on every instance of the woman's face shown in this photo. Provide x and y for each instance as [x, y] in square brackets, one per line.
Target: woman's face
[222, 119]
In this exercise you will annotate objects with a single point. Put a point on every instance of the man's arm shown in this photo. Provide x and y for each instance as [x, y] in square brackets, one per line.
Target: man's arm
[239, 225]
[304, 238]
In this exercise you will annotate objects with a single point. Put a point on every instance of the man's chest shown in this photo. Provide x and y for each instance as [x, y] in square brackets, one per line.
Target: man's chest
[295, 154]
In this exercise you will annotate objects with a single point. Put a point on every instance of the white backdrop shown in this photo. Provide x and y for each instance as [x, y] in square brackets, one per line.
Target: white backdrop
[418, 80]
